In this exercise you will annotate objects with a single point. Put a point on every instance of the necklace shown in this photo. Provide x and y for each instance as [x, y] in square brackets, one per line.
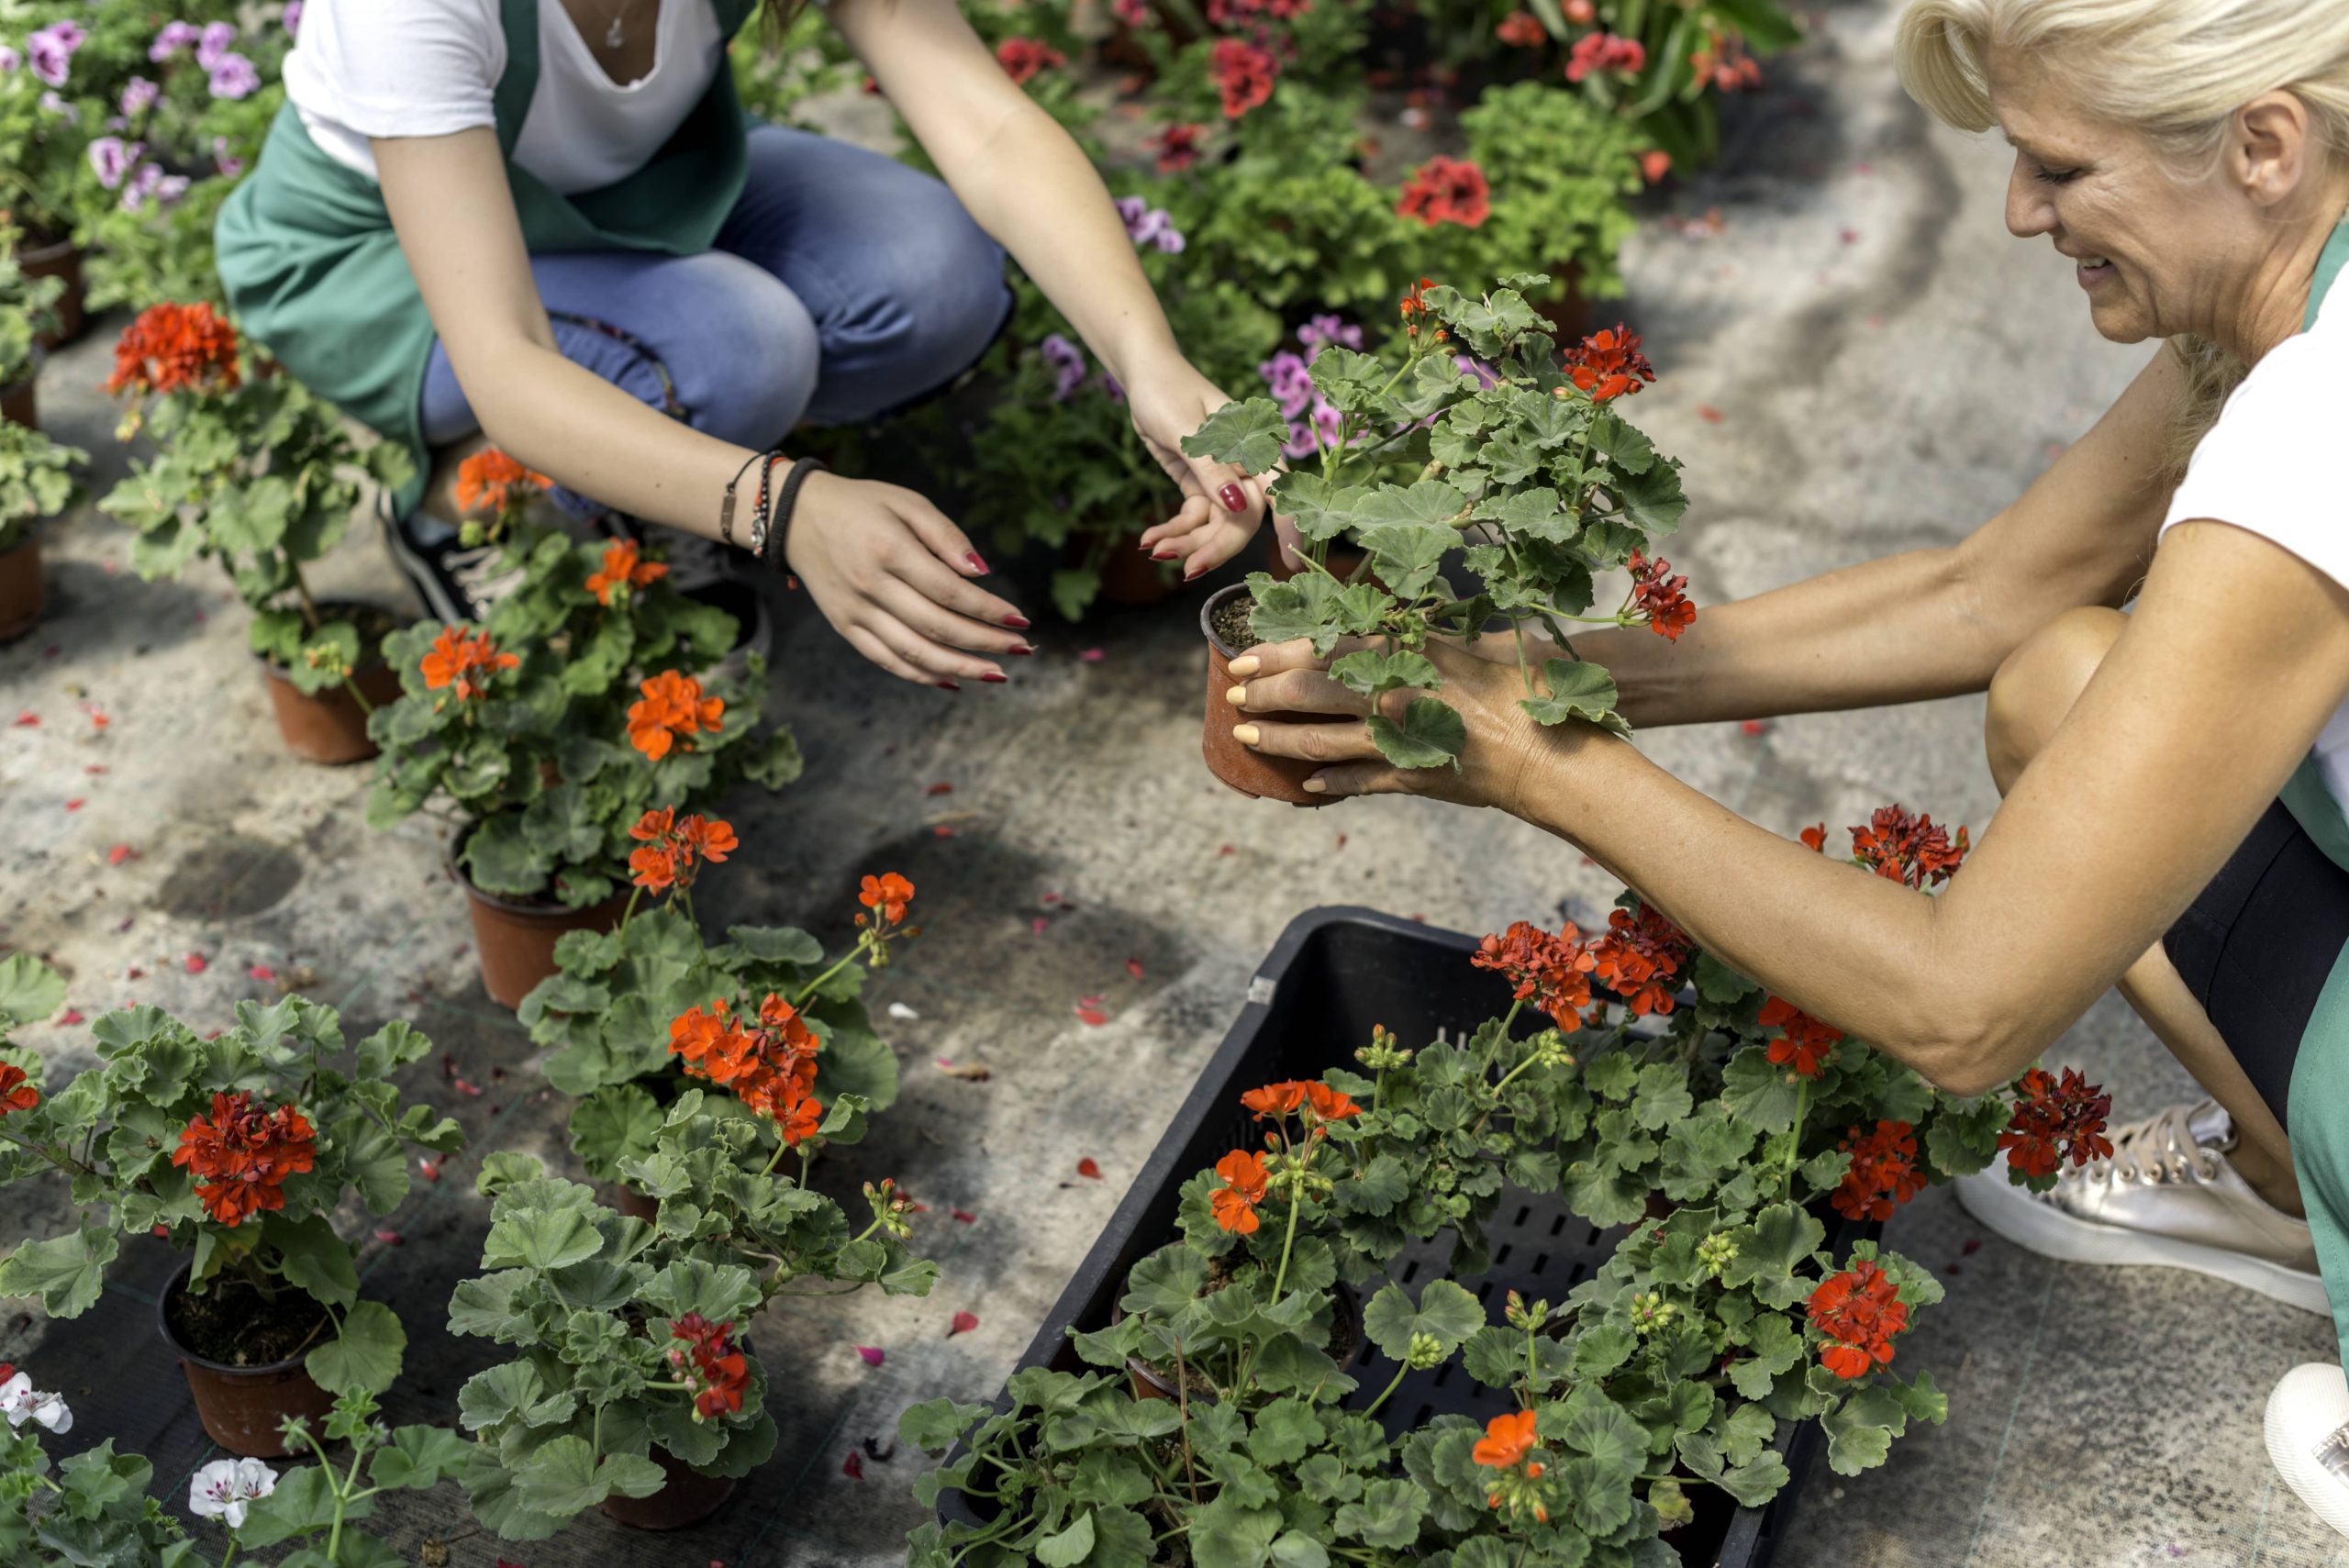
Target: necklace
[615, 35]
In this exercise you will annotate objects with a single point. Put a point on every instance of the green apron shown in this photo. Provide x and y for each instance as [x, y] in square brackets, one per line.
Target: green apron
[314, 272]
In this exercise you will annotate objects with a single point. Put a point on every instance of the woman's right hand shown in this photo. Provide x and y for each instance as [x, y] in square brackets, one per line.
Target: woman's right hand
[893, 576]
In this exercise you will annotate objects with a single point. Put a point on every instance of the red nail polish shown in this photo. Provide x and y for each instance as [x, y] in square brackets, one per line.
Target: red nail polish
[1163, 555]
[1016, 623]
[981, 567]
[1019, 652]
[949, 685]
[995, 677]
[1234, 499]
[1195, 576]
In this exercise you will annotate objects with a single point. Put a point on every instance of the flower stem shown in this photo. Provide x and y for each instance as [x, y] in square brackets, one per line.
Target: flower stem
[1793, 1139]
[635, 895]
[1400, 1372]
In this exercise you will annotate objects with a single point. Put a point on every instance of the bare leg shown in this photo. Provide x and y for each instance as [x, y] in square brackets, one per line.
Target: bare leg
[2032, 692]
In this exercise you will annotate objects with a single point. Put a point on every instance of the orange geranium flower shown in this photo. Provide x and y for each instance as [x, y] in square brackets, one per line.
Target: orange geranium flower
[674, 850]
[1806, 1044]
[15, 1093]
[1323, 1103]
[489, 481]
[886, 895]
[1858, 1311]
[672, 705]
[1507, 1440]
[716, 1371]
[239, 1156]
[770, 1067]
[1275, 1099]
[622, 571]
[1244, 1188]
[171, 347]
[465, 660]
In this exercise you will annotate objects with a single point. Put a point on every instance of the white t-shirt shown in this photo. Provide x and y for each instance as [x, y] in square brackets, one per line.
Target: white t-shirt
[2272, 466]
[373, 68]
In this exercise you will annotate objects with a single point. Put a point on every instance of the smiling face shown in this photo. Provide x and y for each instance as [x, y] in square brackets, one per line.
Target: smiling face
[2157, 254]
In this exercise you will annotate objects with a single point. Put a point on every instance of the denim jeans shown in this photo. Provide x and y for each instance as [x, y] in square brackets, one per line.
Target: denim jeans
[842, 286]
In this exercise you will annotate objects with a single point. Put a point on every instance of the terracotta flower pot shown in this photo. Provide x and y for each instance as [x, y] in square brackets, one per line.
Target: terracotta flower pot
[20, 589]
[1128, 576]
[516, 939]
[244, 1407]
[19, 406]
[1568, 314]
[329, 726]
[634, 1204]
[1266, 778]
[687, 1497]
[59, 259]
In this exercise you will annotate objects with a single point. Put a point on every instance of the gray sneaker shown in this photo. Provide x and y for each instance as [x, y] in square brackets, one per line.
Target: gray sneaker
[2167, 1197]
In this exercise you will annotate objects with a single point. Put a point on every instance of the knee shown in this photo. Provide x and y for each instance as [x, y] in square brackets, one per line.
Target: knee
[942, 298]
[756, 368]
[2037, 684]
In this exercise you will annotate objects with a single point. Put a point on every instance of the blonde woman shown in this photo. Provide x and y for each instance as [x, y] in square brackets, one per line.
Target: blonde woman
[549, 223]
[2174, 777]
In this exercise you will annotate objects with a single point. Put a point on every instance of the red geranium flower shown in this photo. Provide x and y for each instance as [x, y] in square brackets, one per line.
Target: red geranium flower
[1859, 1311]
[1243, 74]
[1884, 1171]
[1521, 29]
[1659, 596]
[674, 850]
[1550, 972]
[17, 1094]
[1911, 850]
[1446, 190]
[464, 660]
[1806, 1042]
[1601, 52]
[240, 1156]
[169, 347]
[1637, 955]
[672, 705]
[1023, 57]
[490, 481]
[718, 1373]
[1814, 837]
[886, 895]
[622, 571]
[1607, 364]
[2055, 1120]
[770, 1067]
[1179, 147]
[1244, 1188]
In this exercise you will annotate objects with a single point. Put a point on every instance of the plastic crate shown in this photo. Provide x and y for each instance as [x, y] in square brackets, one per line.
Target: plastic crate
[1334, 973]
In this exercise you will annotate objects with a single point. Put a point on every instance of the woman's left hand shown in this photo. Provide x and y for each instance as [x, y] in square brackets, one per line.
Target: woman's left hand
[1505, 758]
[1221, 505]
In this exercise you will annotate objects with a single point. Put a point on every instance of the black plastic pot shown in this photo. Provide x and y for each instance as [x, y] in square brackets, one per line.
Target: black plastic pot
[1334, 973]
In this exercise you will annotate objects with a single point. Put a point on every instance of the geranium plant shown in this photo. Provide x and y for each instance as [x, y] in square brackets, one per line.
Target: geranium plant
[250, 469]
[240, 1147]
[627, 1334]
[587, 699]
[28, 309]
[36, 481]
[635, 1015]
[1472, 433]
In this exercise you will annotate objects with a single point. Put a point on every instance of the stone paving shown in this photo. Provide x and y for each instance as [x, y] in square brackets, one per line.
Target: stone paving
[1859, 361]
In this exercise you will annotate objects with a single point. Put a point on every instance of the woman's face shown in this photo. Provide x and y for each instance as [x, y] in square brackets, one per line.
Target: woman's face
[2154, 252]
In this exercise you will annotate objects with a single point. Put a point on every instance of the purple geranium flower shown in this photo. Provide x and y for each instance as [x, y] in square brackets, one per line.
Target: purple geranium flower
[233, 77]
[50, 104]
[1067, 362]
[1156, 228]
[291, 20]
[51, 52]
[9, 61]
[228, 162]
[1471, 365]
[1288, 380]
[171, 38]
[1110, 389]
[139, 96]
[213, 44]
[1131, 208]
[111, 157]
[1322, 331]
[150, 183]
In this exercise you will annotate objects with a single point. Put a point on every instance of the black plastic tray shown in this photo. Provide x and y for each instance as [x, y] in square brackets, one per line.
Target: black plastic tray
[1334, 973]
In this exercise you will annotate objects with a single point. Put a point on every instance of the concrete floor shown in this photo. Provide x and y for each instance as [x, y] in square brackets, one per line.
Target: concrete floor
[1859, 361]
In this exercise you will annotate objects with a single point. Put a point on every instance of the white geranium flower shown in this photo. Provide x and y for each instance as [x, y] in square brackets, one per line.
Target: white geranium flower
[21, 1402]
[224, 1488]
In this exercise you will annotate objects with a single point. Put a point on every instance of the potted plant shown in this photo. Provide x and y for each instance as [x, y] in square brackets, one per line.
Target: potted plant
[44, 132]
[629, 1013]
[544, 737]
[240, 1148]
[98, 1509]
[36, 484]
[1519, 460]
[27, 311]
[254, 470]
[631, 1388]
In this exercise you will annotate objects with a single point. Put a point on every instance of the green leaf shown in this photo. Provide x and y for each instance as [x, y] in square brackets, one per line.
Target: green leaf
[1653, 501]
[66, 1272]
[1069, 1547]
[416, 1458]
[1447, 1311]
[1372, 672]
[1662, 1097]
[1166, 1282]
[1320, 510]
[1625, 448]
[1780, 1240]
[1578, 689]
[1716, 982]
[542, 1238]
[365, 1357]
[512, 1389]
[29, 990]
[1388, 1515]
[1282, 1432]
[1595, 1425]
[562, 1477]
[1430, 735]
[1250, 434]
[1763, 1095]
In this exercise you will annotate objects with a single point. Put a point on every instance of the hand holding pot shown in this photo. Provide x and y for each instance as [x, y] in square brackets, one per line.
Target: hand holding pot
[1507, 754]
[893, 576]
[1221, 505]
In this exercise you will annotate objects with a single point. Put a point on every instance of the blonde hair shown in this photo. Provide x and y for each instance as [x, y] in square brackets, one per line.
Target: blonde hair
[2175, 71]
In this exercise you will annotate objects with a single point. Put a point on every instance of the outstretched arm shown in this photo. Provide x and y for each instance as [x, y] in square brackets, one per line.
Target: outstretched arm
[1029, 185]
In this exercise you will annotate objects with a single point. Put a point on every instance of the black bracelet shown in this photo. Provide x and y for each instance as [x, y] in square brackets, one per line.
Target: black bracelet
[779, 524]
[726, 507]
[759, 517]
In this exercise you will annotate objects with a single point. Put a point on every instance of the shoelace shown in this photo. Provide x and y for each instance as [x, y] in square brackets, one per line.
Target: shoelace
[2157, 1150]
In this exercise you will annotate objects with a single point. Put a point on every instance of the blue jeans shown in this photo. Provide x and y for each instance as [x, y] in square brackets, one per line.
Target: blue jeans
[842, 286]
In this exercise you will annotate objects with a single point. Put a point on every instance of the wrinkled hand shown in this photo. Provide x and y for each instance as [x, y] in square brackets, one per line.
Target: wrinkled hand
[1505, 758]
[1221, 505]
[893, 576]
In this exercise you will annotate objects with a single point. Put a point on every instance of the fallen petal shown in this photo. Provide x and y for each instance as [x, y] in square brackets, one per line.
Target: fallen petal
[119, 853]
[70, 1016]
[942, 787]
[1092, 655]
[390, 1238]
[1709, 414]
[963, 1323]
[1038, 925]
[1088, 1166]
[1093, 1015]
[854, 1467]
[195, 963]
[262, 971]
[77, 802]
[26, 720]
[963, 1215]
[465, 1088]
[874, 1354]
[1133, 967]
[1756, 727]
[900, 1011]
[428, 1169]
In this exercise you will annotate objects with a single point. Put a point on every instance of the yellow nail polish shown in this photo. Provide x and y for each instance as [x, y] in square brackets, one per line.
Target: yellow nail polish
[1246, 734]
[1244, 666]
[1316, 786]
[1237, 696]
